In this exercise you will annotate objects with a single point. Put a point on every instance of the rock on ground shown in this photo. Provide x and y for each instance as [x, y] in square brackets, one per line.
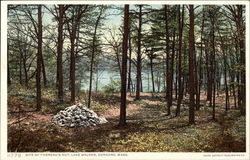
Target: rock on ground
[77, 116]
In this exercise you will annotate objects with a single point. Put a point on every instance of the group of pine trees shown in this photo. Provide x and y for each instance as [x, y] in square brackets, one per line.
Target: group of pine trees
[215, 29]
[198, 47]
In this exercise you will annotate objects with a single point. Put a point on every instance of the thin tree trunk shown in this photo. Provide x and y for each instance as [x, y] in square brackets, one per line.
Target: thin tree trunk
[200, 76]
[138, 77]
[167, 60]
[93, 56]
[130, 61]
[196, 82]
[213, 65]
[25, 70]
[44, 73]
[176, 77]
[225, 71]
[91, 71]
[59, 54]
[191, 66]
[39, 58]
[72, 69]
[242, 59]
[20, 71]
[181, 23]
[73, 30]
[96, 83]
[118, 61]
[8, 70]
[184, 83]
[172, 70]
[141, 85]
[208, 67]
[122, 121]
[152, 74]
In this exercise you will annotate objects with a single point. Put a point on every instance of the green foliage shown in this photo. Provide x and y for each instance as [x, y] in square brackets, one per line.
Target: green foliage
[113, 87]
[98, 108]
[191, 139]
[238, 68]
[238, 129]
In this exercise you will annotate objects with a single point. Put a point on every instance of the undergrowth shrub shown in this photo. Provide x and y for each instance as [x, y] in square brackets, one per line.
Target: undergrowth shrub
[98, 108]
[238, 129]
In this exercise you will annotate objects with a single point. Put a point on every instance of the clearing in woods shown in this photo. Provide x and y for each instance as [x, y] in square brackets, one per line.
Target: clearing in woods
[149, 127]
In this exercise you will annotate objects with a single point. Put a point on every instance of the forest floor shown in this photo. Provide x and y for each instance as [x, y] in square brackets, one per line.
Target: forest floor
[149, 129]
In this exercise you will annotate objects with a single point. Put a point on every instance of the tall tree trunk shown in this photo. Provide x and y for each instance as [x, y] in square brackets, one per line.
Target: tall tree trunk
[91, 70]
[209, 82]
[20, 71]
[130, 62]
[167, 59]
[197, 106]
[239, 89]
[152, 73]
[8, 69]
[191, 66]
[44, 73]
[234, 95]
[25, 68]
[73, 32]
[72, 69]
[200, 76]
[122, 121]
[226, 86]
[118, 60]
[180, 20]
[159, 78]
[240, 28]
[176, 85]
[59, 54]
[39, 58]
[172, 70]
[214, 86]
[72, 62]
[185, 59]
[93, 56]
[213, 65]
[97, 79]
[225, 71]
[141, 85]
[138, 77]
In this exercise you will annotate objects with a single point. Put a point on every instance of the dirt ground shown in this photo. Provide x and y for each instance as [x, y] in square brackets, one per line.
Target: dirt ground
[148, 129]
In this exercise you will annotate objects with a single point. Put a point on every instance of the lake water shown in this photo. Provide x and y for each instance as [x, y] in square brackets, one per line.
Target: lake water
[105, 78]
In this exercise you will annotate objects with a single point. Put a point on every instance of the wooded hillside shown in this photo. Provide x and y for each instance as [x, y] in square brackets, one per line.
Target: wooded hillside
[166, 77]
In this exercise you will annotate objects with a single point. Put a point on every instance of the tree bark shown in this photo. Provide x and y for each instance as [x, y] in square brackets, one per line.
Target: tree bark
[93, 56]
[39, 58]
[225, 71]
[130, 62]
[138, 77]
[200, 76]
[172, 70]
[240, 29]
[72, 68]
[168, 82]
[122, 121]
[8, 70]
[213, 65]
[44, 72]
[181, 23]
[20, 71]
[191, 66]
[60, 53]
[152, 74]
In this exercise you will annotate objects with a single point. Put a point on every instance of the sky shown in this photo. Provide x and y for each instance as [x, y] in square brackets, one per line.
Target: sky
[114, 19]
